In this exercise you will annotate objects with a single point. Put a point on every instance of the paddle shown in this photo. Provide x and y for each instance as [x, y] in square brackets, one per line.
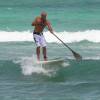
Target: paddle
[76, 55]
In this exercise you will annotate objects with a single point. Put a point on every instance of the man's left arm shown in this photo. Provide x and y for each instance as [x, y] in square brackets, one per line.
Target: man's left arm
[49, 27]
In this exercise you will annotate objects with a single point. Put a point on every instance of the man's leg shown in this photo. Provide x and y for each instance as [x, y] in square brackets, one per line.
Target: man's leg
[38, 53]
[45, 53]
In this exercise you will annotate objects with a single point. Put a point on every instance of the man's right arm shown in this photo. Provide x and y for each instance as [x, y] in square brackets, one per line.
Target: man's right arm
[33, 23]
[36, 21]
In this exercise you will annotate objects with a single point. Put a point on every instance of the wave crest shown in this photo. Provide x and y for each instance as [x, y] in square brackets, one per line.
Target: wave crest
[68, 37]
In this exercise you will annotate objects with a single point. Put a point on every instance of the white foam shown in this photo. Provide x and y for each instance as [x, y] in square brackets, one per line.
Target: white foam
[65, 64]
[15, 36]
[68, 37]
[92, 58]
[28, 67]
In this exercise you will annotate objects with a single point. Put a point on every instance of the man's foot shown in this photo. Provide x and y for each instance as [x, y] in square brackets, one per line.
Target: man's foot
[38, 61]
[45, 58]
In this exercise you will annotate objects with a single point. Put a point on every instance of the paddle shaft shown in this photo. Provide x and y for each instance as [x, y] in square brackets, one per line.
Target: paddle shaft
[62, 42]
[76, 55]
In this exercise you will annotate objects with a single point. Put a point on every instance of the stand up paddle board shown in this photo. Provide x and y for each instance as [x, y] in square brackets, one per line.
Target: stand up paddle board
[51, 61]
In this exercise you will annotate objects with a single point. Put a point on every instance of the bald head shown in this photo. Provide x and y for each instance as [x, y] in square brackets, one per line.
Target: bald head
[44, 14]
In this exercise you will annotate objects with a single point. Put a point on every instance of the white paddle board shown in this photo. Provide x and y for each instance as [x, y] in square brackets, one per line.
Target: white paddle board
[51, 61]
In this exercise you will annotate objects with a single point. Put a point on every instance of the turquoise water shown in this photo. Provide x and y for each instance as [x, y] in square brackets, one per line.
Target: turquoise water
[77, 23]
[69, 15]
[20, 79]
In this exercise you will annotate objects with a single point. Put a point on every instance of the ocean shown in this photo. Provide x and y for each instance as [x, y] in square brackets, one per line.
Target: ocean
[77, 23]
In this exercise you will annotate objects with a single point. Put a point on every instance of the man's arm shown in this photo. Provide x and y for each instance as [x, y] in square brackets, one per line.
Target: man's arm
[49, 27]
[33, 23]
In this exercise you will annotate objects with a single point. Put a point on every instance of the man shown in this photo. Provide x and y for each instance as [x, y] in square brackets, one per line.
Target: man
[40, 23]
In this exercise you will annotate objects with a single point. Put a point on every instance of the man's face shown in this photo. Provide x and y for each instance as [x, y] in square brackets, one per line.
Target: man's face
[43, 16]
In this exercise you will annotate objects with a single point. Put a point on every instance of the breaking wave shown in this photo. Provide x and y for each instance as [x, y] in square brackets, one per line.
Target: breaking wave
[68, 37]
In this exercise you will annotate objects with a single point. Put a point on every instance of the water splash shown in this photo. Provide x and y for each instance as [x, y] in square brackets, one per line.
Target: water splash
[29, 66]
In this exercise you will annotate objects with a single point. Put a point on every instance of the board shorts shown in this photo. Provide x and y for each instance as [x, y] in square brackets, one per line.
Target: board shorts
[39, 39]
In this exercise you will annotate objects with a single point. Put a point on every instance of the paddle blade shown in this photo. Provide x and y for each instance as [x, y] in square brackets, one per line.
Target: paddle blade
[77, 56]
